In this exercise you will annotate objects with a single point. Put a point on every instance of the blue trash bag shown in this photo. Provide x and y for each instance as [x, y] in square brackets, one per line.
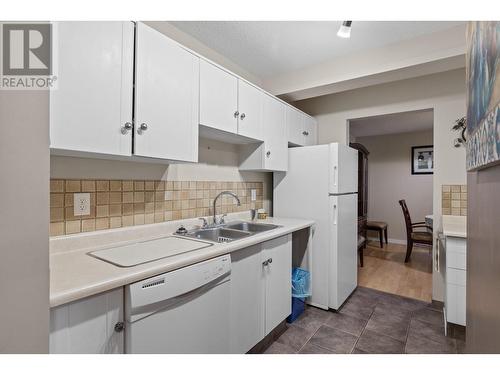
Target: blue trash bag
[301, 283]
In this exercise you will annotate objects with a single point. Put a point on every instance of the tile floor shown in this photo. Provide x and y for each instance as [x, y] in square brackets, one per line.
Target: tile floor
[369, 322]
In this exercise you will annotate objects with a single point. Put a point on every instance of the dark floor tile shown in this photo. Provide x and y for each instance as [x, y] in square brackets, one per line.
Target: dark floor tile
[333, 339]
[279, 348]
[295, 337]
[358, 351]
[389, 325]
[402, 302]
[368, 292]
[420, 344]
[429, 316]
[436, 305]
[358, 308]
[311, 320]
[346, 323]
[391, 311]
[314, 349]
[428, 330]
[373, 342]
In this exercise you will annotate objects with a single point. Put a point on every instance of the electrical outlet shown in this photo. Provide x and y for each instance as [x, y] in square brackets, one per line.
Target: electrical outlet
[253, 193]
[81, 204]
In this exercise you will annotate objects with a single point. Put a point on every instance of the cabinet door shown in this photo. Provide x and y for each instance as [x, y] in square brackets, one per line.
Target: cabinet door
[294, 126]
[166, 98]
[93, 98]
[278, 271]
[218, 98]
[275, 137]
[247, 299]
[87, 326]
[250, 109]
[309, 131]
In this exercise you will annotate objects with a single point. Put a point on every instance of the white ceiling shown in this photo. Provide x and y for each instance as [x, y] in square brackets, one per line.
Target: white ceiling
[269, 48]
[403, 122]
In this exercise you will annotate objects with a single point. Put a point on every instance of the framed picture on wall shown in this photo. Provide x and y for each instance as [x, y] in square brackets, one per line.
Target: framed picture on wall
[422, 159]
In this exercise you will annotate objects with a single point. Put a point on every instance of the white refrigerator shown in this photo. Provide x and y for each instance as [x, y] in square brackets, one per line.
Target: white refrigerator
[321, 184]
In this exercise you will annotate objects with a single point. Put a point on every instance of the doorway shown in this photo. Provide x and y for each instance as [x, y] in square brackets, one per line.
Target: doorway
[396, 163]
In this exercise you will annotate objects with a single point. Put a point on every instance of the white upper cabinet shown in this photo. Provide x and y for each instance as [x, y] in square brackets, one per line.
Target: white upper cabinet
[91, 107]
[218, 98]
[310, 130]
[250, 101]
[166, 98]
[301, 128]
[275, 143]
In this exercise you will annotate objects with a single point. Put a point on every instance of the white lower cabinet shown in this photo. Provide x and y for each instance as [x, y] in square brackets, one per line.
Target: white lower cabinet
[91, 325]
[260, 291]
[455, 280]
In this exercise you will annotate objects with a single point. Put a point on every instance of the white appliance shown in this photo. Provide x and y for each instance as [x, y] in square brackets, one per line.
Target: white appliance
[183, 311]
[322, 184]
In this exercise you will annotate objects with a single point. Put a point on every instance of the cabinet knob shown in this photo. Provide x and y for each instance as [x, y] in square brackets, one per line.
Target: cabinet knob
[119, 327]
[236, 114]
[142, 128]
[305, 133]
[268, 154]
[242, 116]
[265, 263]
[126, 127]
[270, 260]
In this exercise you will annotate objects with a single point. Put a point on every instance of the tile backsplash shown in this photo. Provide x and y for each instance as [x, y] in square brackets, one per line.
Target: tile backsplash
[454, 200]
[122, 203]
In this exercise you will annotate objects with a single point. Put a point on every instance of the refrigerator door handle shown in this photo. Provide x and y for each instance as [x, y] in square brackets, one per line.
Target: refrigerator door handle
[335, 214]
[335, 175]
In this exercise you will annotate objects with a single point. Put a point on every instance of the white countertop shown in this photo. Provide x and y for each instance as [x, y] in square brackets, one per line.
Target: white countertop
[455, 226]
[74, 274]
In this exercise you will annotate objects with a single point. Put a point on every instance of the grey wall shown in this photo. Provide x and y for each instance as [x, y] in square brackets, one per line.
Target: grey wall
[483, 261]
[390, 179]
[24, 247]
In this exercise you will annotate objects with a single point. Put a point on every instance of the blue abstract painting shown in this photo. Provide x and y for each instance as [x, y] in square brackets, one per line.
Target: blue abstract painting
[483, 94]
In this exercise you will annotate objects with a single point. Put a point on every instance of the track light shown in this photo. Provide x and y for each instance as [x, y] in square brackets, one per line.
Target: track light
[345, 30]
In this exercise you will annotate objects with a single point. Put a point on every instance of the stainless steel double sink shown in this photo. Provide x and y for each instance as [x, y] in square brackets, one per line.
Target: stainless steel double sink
[230, 232]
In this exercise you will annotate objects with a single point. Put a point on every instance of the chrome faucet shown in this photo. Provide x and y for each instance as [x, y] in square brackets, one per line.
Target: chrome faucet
[215, 202]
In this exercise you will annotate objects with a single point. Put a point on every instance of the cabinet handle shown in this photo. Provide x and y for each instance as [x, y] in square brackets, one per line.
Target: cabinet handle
[305, 133]
[236, 114]
[267, 262]
[270, 260]
[242, 116]
[119, 327]
[268, 153]
[142, 128]
[126, 128]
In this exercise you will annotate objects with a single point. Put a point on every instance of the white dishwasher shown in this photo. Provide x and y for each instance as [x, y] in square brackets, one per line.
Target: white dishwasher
[183, 311]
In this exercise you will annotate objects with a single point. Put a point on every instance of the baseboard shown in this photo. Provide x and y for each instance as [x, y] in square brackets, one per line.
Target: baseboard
[390, 240]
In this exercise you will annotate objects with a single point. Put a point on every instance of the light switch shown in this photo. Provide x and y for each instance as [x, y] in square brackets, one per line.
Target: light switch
[81, 204]
[253, 193]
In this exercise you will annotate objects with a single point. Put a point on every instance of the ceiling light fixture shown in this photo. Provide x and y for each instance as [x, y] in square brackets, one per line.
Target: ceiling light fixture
[345, 30]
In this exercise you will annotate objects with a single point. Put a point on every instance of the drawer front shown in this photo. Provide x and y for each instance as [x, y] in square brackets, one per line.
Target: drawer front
[455, 304]
[455, 276]
[456, 245]
[455, 260]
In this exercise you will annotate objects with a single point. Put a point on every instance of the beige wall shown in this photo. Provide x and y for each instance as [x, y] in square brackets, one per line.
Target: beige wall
[443, 92]
[218, 161]
[390, 179]
[24, 222]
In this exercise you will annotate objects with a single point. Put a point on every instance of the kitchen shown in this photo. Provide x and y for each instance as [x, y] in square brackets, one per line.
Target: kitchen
[181, 190]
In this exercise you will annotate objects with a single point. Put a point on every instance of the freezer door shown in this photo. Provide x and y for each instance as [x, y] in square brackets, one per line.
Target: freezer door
[343, 259]
[343, 169]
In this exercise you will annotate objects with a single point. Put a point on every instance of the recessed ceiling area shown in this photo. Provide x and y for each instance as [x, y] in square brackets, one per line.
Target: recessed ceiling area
[268, 48]
[403, 122]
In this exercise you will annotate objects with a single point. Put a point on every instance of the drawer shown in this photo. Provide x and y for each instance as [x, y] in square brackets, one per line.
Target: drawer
[455, 276]
[455, 260]
[455, 304]
[456, 245]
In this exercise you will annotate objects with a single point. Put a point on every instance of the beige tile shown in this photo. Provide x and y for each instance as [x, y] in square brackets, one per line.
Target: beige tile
[138, 196]
[169, 185]
[102, 185]
[115, 222]
[168, 205]
[192, 194]
[192, 185]
[176, 215]
[159, 185]
[128, 185]
[138, 185]
[56, 214]
[185, 204]
[72, 226]
[168, 196]
[102, 223]
[57, 200]
[176, 205]
[199, 185]
[115, 185]
[138, 219]
[463, 188]
[88, 186]
[68, 199]
[159, 196]
[115, 197]
[102, 198]
[57, 186]
[56, 229]
[455, 211]
[185, 214]
[73, 186]
[184, 194]
[168, 215]
[69, 214]
[138, 208]
[455, 204]
[115, 210]
[88, 225]
[455, 188]
[455, 196]
[102, 211]
[128, 197]
[446, 203]
[149, 218]
[463, 211]
[192, 203]
[463, 204]
[177, 185]
[128, 220]
[149, 208]
[446, 196]
[159, 217]
[159, 206]
[149, 196]
[128, 209]
[463, 196]
[185, 185]
[149, 185]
